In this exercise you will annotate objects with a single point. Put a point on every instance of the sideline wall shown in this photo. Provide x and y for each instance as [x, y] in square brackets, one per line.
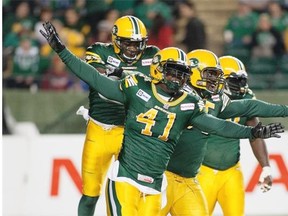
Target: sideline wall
[41, 176]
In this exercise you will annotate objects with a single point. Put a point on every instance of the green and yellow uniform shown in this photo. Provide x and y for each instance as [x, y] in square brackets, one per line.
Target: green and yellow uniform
[153, 126]
[106, 118]
[221, 171]
[184, 195]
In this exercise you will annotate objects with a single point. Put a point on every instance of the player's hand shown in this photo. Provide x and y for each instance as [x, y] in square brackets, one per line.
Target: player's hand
[113, 71]
[52, 37]
[270, 130]
[265, 179]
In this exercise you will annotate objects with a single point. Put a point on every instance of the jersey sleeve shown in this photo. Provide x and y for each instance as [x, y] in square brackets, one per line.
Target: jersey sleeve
[93, 55]
[107, 87]
[210, 124]
[253, 108]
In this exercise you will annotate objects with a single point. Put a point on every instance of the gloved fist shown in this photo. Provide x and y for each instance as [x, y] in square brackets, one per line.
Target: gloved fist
[113, 71]
[267, 131]
[265, 179]
[52, 37]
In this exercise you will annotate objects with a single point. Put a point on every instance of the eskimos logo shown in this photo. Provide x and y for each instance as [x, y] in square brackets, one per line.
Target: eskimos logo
[114, 30]
[194, 62]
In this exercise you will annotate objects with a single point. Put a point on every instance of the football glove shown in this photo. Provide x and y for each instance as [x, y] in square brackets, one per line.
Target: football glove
[52, 37]
[270, 130]
[113, 71]
[265, 179]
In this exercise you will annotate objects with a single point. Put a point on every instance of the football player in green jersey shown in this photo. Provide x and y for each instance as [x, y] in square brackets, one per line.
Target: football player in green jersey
[128, 51]
[220, 175]
[184, 195]
[157, 111]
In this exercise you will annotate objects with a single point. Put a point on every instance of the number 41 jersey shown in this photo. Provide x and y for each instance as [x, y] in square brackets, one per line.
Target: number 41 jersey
[152, 127]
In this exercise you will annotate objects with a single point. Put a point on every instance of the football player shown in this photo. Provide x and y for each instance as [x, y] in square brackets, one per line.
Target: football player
[184, 195]
[157, 111]
[128, 51]
[221, 172]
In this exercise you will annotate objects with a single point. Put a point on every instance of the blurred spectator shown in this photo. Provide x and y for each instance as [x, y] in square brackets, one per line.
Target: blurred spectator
[96, 11]
[238, 32]
[23, 72]
[57, 77]
[126, 8]
[147, 10]
[285, 38]
[16, 25]
[193, 35]
[258, 6]
[103, 33]
[161, 33]
[279, 17]
[284, 3]
[58, 6]
[104, 27]
[74, 21]
[240, 26]
[266, 40]
[20, 20]
[46, 14]
[75, 32]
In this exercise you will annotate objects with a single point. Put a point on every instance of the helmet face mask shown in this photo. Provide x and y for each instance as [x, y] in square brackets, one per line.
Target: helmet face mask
[212, 78]
[207, 74]
[235, 75]
[129, 38]
[237, 84]
[170, 67]
[175, 76]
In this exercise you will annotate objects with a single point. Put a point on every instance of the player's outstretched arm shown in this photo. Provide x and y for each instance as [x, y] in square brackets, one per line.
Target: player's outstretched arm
[107, 87]
[261, 153]
[213, 125]
[253, 108]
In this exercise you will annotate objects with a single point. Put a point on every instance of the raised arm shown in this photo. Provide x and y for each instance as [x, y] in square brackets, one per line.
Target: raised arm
[253, 108]
[213, 125]
[107, 87]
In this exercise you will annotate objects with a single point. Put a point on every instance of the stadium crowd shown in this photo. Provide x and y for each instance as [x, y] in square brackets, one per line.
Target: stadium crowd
[257, 33]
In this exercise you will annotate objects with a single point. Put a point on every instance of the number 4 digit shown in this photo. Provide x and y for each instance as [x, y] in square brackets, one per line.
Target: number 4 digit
[148, 119]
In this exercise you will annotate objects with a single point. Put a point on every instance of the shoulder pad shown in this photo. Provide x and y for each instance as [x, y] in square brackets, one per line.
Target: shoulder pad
[93, 52]
[226, 100]
[151, 49]
[130, 80]
[250, 95]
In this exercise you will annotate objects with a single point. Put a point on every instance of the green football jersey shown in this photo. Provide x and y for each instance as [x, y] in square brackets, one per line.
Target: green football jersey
[151, 131]
[223, 153]
[153, 125]
[100, 55]
[191, 148]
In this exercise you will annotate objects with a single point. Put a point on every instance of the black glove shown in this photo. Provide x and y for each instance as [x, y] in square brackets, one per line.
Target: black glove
[267, 131]
[52, 37]
[113, 71]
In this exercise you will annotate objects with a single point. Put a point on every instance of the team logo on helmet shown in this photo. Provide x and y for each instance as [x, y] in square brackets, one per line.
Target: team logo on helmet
[114, 29]
[194, 62]
[156, 59]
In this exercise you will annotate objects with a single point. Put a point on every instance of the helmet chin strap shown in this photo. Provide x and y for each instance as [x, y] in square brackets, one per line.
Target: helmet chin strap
[129, 58]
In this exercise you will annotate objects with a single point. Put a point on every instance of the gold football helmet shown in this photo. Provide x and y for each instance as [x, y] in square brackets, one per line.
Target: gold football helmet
[129, 38]
[207, 73]
[170, 61]
[235, 75]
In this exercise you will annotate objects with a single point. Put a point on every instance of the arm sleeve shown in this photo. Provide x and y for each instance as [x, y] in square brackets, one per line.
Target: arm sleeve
[107, 87]
[253, 108]
[208, 123]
